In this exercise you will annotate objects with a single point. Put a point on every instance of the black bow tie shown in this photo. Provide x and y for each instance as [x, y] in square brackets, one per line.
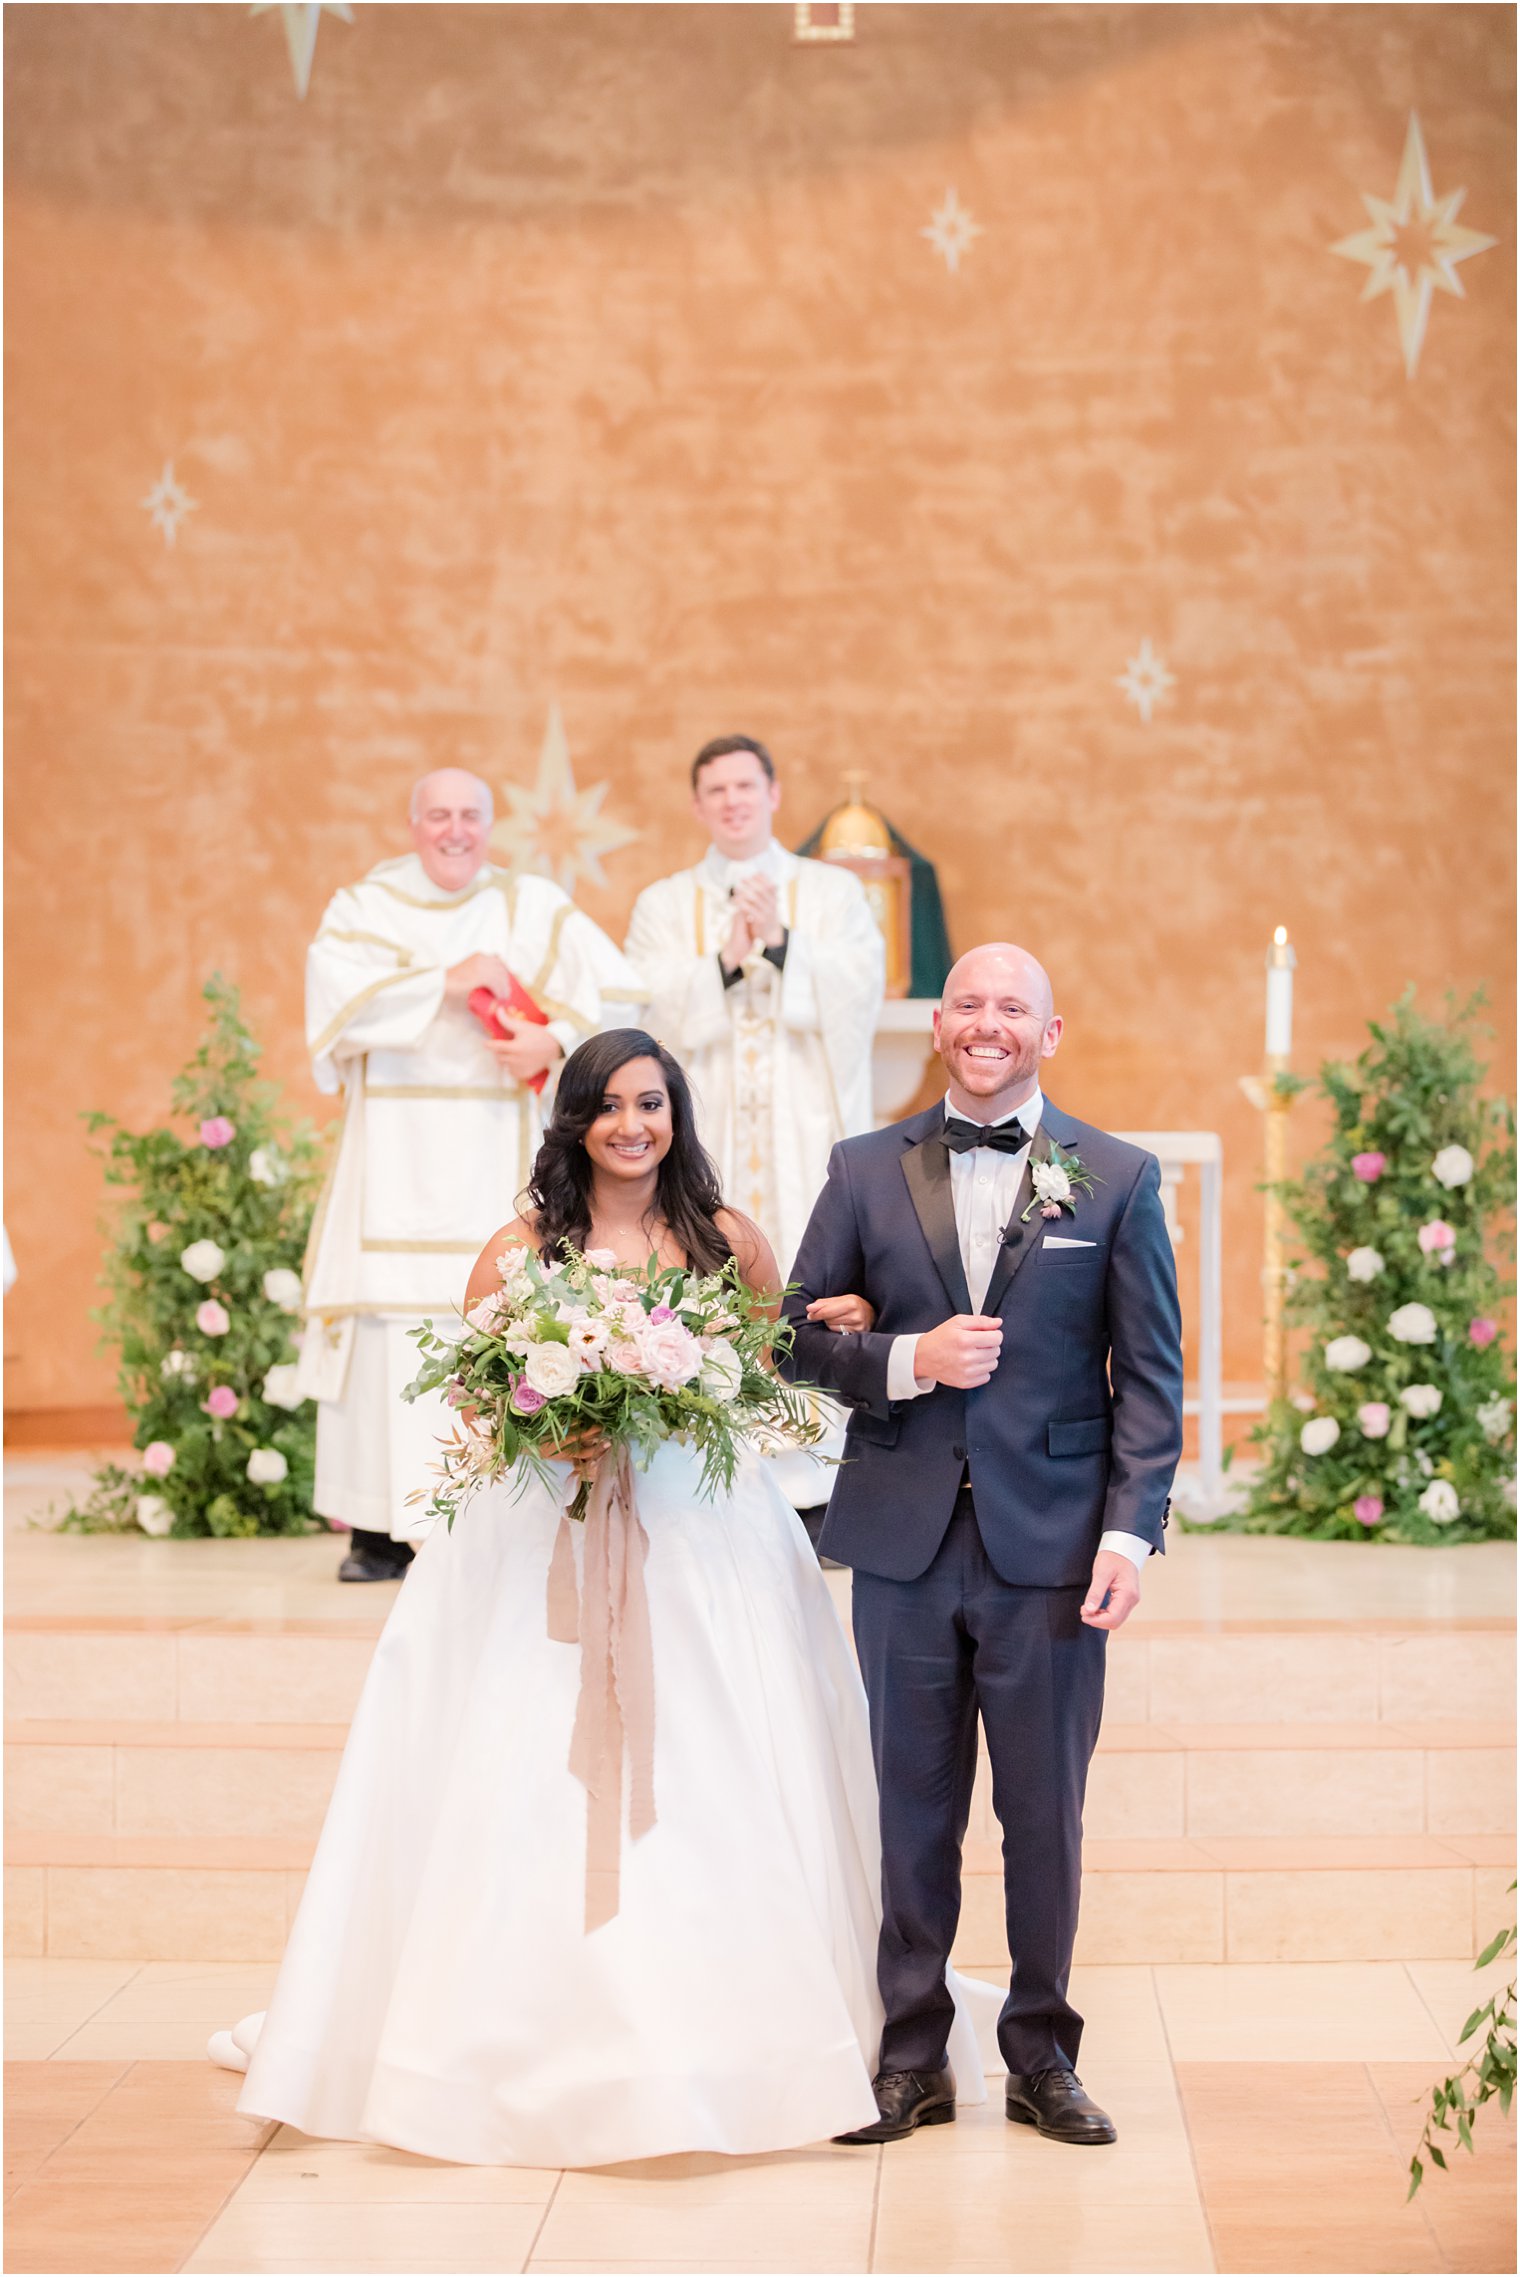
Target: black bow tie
[1006, 1138]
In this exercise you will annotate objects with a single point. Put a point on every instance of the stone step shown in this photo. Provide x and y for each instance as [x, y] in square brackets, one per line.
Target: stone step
[1149, 1781]
[168, 1897]
[193, 1669]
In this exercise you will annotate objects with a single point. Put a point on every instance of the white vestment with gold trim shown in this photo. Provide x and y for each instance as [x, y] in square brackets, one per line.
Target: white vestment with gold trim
[436, 1146]
[781, 1061]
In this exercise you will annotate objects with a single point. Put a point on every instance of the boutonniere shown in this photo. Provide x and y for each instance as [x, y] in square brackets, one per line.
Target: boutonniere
[1057, 1183]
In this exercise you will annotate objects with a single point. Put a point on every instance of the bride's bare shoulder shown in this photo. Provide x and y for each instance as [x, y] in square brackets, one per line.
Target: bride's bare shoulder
[485, 1274]
[752, 1252]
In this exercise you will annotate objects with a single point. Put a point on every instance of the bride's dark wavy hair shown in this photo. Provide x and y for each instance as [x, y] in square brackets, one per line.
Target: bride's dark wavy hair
[687, 1196]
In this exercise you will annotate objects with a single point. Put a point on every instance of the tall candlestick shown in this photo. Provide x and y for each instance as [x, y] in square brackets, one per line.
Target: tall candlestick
[1280, 964]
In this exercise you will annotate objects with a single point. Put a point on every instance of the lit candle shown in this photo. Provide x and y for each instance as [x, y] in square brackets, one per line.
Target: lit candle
[1280, 963]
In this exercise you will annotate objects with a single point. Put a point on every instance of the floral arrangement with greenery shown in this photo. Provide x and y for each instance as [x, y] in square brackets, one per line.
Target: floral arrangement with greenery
[1404, 1427]
[203, 1302]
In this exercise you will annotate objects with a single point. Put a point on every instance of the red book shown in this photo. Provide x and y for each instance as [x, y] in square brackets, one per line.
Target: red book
[490, 1010]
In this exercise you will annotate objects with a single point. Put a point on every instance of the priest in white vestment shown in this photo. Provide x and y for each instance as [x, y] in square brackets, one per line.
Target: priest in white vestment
[439, 1131]
[764, 973]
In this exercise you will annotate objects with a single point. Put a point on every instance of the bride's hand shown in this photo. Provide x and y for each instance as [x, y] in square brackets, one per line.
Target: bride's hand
[584, 1448]
[845, 1315]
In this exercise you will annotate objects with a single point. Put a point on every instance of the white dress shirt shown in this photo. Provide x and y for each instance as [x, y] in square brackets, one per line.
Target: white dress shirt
[984, 1185]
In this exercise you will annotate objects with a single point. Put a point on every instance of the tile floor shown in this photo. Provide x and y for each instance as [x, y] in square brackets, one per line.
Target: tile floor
[1266, 2115]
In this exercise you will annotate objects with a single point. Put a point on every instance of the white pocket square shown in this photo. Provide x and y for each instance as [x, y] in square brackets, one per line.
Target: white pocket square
[1059, 1241]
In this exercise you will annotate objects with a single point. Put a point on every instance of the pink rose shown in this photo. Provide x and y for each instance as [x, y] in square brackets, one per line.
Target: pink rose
[661, 1313]
[1368, 1167]
[1368, 1509]
[222, 1402]
[672, 1355]
[1436, 1235]
[525, 1400]
[1374, 1416]
[212, 1319]
[158, 1458]
[604, 1259]
[1482, 1331]
[624, 1356]
[490, 1310]
[217, 1131]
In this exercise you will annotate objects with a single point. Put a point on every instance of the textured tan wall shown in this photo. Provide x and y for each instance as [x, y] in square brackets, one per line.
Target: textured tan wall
[595, 354]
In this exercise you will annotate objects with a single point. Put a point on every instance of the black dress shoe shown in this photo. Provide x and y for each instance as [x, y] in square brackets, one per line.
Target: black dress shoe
[1059, 2105]
[375, 1557]
[907, 2099]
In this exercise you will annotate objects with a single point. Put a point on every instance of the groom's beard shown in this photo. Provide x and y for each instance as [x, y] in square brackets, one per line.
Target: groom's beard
[1022, 1062]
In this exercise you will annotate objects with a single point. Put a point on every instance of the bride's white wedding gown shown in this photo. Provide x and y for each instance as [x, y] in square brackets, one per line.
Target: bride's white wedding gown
[440, 1992]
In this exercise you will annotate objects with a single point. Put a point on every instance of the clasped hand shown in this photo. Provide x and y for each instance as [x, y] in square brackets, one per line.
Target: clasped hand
[757, 917]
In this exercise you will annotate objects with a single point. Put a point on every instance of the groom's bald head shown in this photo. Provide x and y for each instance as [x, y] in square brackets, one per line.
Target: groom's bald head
[1002, 965]
[996, 1021]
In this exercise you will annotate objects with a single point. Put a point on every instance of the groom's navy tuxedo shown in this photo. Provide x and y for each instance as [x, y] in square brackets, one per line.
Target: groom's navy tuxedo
[972, 1518]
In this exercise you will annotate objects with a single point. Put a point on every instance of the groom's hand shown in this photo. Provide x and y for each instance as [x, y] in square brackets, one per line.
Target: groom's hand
[1113, 1592]
[963, 1352]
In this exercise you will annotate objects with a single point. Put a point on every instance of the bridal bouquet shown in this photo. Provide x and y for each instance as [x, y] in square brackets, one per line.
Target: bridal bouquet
[632, 1356]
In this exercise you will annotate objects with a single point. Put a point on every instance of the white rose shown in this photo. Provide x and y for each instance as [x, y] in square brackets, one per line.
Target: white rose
[1345, 1354]
[177, 1363]
[280, 1387]
[1303, 1401]
[1439, 1501]
[1051, 1183]
[203, 1260]
[267, 1466]
[1364, 1264]
[265, 1167]
[552, 1369]
[153, 1514]
[672, 1355]
[283, 1288]
[1413, 1324]
[1421, 1400]
[1319, 1434]
[722, 1372]
[1493, 1420]
[1453, 1166]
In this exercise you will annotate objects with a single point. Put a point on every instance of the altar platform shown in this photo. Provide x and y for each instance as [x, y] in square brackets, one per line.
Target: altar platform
[1299, 1833]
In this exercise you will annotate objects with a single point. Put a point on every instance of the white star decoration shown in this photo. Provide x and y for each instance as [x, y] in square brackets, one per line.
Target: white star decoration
[301, 27]
[951, 231]
[1145, 680]
[1413, 246]
[168, 502]
[555, 829]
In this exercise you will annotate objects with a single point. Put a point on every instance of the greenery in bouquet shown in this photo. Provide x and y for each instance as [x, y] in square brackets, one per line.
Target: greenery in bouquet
[203, 1302]
[632, 1356]
[1404, 1427]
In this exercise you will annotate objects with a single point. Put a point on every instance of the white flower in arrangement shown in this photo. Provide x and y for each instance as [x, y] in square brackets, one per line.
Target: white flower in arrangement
[1439, 1502]
[1319, 1434]
[1345, 1354]
[722, 1372]
[1421, 1400]
[1412, 1324]
[203, 1260]
[283, 1288]
[1303, 1401]
[177, 1364]
[605, 1260]
[1051, 1183]
[1453, 1166]
[672, 1355]
[153, 1514]
[551, 1369]
[265, 1167]
[1423, 1463]
[589, 1338]
[1493, 1420]
[1364, 1264]
[279, 1387]
[267, 1466]
[1507, 1490]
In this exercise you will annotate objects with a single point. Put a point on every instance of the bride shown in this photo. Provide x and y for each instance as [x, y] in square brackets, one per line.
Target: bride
[440, 1991]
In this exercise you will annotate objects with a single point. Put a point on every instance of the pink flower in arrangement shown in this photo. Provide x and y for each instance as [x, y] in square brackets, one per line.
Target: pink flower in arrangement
[1050, 1210]
[1368, 1509]
[1435, 1236]
[1375, 1417]
[1482, 1331]
[158, 1458]
[525, 1400]
[212, 1319]
[1368, 1167]
[662, 1312]
[221, 1402]
[217, 1131]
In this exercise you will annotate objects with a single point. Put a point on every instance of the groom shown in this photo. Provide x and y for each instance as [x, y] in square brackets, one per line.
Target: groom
[1017, 1421]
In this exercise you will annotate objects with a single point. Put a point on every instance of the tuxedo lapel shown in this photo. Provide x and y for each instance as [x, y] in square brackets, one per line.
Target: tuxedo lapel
[1021, 1239]
[926, 1167]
